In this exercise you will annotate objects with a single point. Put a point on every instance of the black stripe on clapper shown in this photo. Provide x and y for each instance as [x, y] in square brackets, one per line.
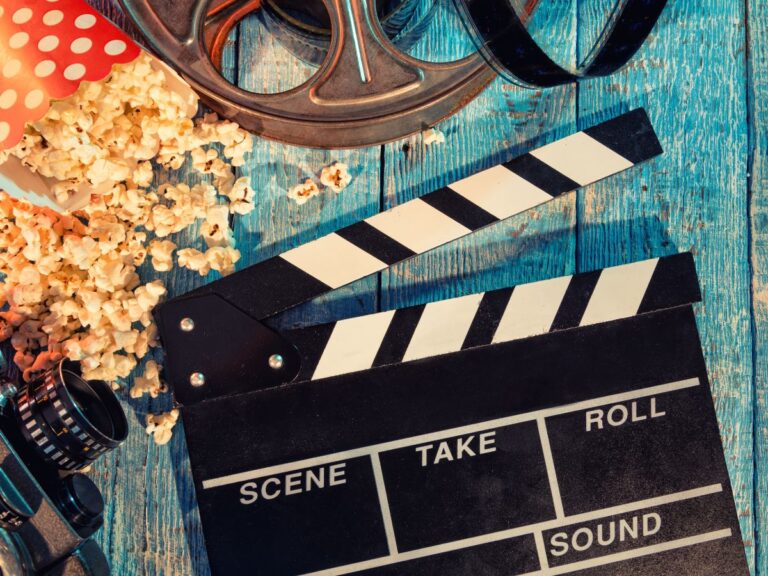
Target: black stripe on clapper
[310, 342]
[376, 243]
[575, 301]
[674, 283]
[615, 134]
[264, 289]
[458, 208]
[398, 336]
[541, 175]
[487, 319]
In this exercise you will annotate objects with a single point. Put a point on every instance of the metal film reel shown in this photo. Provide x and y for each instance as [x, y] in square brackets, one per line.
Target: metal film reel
[366, 90]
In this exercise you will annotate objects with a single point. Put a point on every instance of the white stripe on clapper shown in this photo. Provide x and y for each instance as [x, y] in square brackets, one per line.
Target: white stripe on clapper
[449, 433]
[531, 309]
[638, 552]
[353, 345]
[386, 515]
[541, 549]
[619, 292]
[549, 462]
[500, 192]
[418, 226]
[582, 158]
[443, 326]
[333, 260]
[549, 525]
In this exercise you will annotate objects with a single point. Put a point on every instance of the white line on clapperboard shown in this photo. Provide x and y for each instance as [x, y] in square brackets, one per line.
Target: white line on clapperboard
[538, 529]
[443, 434]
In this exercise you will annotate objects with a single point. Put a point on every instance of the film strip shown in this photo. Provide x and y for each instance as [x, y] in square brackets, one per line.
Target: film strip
[504, 40]
[527, 310]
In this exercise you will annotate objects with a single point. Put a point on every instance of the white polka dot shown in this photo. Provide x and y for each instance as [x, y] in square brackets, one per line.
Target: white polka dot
[53, 17]
[85, 21]
[74, 72]
[5, 129]
[81, 45]
[22, 15]
[2, 11]
[48, 43]
[7, 98]
[11, 68]
[34, 99]
[45, 68]
[18, 40]
[115, 47]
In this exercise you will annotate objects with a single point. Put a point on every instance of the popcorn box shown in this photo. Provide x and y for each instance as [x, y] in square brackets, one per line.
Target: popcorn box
[48, 48]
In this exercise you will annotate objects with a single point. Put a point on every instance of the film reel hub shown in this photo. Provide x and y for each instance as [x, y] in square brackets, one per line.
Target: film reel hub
[366, 91]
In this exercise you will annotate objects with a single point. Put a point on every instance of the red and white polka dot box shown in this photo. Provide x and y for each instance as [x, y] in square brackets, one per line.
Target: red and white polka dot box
[47, 49]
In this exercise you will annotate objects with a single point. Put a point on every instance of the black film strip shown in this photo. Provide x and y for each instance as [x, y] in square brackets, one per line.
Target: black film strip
[508, 46]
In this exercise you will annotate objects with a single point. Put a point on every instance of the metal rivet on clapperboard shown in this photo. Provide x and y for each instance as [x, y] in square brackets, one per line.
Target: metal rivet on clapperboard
[276, 361]
[197, 379]
[187, 324]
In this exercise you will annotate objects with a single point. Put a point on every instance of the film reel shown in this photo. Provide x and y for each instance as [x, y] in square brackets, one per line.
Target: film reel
[366, 91]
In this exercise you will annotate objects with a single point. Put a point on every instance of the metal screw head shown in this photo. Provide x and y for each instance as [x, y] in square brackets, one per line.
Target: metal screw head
[187, 324]
[197, 379]
[276, 361]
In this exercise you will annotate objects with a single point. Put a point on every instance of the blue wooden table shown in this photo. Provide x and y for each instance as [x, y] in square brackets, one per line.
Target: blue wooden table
[703, 77]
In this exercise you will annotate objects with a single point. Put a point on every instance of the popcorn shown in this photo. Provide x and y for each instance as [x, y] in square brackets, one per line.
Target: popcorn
[303, 192]
[240, 196]
[44, 361]
[336, 176]
[433, 136]
[160, 426]
[149, 382]
[222, 259]
[215, 230]
[161, 252]
[149, 295]
[69, 285]
[194, 260]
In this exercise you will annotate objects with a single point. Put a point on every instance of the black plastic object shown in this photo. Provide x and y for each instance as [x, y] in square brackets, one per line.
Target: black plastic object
[81, 504]
[68, 420]
[223, 350]
[504, 40]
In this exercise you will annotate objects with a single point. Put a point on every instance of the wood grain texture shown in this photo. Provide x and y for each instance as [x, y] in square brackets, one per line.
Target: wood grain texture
[502, 122]
[692, 81]
[692, 77]
[758, 194]
[278, 224]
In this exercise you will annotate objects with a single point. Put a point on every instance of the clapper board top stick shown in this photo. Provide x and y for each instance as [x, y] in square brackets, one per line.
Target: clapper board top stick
[378, 242]
[564, 426]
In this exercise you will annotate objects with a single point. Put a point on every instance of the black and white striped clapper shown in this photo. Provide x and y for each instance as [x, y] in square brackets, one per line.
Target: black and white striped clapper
[559, 427]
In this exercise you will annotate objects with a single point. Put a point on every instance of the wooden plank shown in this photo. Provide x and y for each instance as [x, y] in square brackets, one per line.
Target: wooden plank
[278, 223]
[757, 40]
[503, 121]
[691, 78]
[152, 524]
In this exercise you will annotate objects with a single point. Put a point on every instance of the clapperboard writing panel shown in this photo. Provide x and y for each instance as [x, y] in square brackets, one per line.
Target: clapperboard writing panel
[560, 427]
[552, 428]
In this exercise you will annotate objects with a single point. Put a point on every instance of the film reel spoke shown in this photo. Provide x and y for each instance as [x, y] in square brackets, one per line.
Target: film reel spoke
[365, 92]
[362, 65]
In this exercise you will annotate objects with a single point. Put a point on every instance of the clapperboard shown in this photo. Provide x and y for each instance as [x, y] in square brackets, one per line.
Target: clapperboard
[564, 426]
